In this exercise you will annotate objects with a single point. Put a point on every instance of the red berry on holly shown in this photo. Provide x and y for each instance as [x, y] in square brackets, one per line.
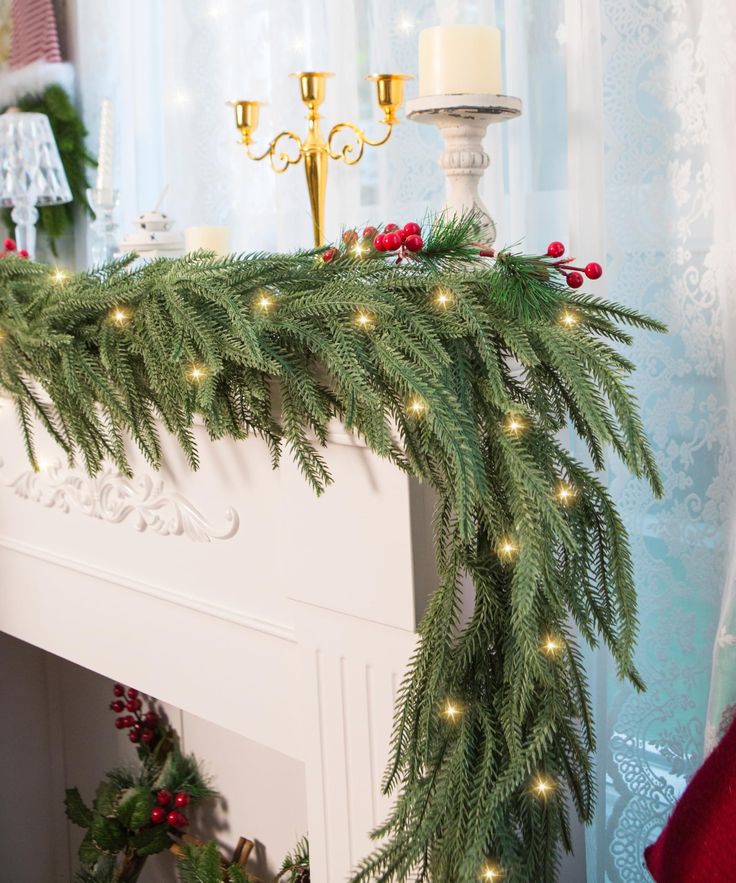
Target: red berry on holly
[575, 279]
[412, 229]
[379, 243]
[402, 235]
[390, 227]
[182, 799]
[172, 818]
[148, 736]
[9, 244]
[132, 693]
[133, 704]
[151, 718]
[118, 690]
[134, 736]
[158, 814]
[369, 233]
[593, 270]
[23, 253]
[349, 236]
[414, 242]
[555, 249]
[120, 723]
[129, 720]
[117, 705]
[329, 255]
[391, 241]
[163, 797]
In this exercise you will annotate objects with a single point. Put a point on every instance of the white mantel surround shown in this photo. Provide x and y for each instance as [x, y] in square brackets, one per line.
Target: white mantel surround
[298, 612]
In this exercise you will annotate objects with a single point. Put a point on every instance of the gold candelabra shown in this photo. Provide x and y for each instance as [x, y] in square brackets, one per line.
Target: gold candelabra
[315, 149]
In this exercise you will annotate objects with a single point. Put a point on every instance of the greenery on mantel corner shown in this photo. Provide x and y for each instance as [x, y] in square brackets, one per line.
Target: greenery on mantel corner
[462, 371]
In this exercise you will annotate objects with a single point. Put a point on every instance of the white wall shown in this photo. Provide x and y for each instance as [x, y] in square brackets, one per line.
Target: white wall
[60, 733]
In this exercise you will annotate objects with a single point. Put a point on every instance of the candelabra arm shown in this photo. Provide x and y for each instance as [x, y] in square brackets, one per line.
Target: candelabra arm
[351, 153]
[280, 162]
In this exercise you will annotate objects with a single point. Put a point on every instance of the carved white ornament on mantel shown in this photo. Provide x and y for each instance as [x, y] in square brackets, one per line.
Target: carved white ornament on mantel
[112, 497]
[463, 119]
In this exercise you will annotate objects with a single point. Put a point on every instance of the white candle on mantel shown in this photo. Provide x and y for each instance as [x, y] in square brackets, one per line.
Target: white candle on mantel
[215, 239]
[460, 59]
[104, 153]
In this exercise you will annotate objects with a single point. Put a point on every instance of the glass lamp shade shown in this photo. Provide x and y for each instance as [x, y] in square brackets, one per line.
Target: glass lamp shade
[31, 172]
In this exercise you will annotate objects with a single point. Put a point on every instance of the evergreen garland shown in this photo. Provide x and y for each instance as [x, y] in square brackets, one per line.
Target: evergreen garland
[462, 372]
[69, 132]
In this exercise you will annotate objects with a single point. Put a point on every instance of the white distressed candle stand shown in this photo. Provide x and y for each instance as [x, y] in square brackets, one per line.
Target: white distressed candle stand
[463, 120]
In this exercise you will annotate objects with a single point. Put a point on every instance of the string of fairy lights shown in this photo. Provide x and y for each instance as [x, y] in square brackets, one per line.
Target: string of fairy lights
[507, 548]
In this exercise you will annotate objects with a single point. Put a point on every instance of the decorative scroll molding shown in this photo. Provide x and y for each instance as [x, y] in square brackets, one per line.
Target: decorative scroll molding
[112, 497]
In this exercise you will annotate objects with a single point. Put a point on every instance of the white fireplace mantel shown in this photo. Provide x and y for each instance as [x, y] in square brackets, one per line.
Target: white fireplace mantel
[298, 612]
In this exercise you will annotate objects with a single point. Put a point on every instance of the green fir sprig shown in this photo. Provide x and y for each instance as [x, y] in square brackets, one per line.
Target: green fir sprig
[462, 372]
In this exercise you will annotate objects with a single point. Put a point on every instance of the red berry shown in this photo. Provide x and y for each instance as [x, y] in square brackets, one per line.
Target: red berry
[379, 243]
[575, 279]
[151, 718]
[369, 233]
[120, 723]
[390, 227]
[118, 690]
[593, 270]
[412, 229]
[158, 814]
[555, 249]
[163, 797]
[129, 720]
[117, 705]
[133, 704]
[172, 818]
[349, 236]
[329, 255]
[402, 235]
[391, 241]
[182, 821]
[137, 727]
[414, 242]
[9, 244]
[23, 253]
[132, 693]
[148, 735]
[133, 736]
[182, 799]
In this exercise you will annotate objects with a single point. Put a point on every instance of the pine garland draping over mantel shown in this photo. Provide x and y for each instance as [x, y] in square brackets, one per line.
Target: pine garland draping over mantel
[460, 370]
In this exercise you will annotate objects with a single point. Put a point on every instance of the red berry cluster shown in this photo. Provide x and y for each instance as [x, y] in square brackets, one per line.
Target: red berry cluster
[9, 246]
[404, 240]
[168, 808]
[142, 727]
[573, 275]
[395, 238]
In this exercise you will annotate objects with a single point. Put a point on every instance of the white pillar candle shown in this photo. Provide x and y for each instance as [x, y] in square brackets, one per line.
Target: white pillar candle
[460, 59]
[215, 239]
[104, 153]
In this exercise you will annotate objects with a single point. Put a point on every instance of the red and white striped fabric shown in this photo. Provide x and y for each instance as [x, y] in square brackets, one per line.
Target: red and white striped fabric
[34, 34]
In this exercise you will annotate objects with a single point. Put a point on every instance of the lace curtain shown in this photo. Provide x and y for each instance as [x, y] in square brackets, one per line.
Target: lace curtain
[623, 151]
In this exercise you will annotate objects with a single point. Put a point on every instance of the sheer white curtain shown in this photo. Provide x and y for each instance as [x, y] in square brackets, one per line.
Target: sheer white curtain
[624, 152]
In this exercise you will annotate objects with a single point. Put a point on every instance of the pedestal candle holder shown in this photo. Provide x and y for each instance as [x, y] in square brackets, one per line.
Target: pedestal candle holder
[463, 120]
[103, 246]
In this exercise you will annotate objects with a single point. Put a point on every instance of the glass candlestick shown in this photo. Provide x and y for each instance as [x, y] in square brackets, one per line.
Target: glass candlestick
[103, 244]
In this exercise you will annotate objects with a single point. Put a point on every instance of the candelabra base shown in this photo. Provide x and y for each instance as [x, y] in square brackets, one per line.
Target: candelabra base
[463, 120]
[103, 242]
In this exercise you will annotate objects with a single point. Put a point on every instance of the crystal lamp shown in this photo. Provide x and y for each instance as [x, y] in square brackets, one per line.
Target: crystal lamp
[31, 173]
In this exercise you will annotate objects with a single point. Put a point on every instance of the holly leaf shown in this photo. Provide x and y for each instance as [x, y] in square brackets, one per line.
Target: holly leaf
[76, 809]
[88, 852]
[106, 798]
[108, 834]
[134, 807]
[151, 840]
